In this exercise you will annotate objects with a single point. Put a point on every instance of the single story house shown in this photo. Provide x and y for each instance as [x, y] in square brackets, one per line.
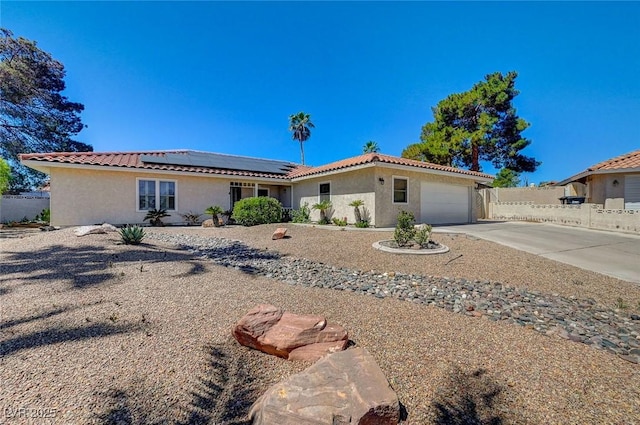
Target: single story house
[614, 183]
[119, 187]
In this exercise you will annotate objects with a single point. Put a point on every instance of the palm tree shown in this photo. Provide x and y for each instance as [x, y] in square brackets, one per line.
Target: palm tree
[356, 209]
[300, 124]
[323, 207]
[371, 147]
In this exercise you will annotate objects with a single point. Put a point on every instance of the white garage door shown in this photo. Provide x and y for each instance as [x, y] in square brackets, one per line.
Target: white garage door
[632, 193]
[442, 203]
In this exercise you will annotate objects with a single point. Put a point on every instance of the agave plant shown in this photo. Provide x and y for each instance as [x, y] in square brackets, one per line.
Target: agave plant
[155, 216]
[132, 235]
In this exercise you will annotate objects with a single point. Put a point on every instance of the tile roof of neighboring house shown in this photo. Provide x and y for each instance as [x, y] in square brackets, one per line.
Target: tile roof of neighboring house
[162, 161]
[629, 161]
[371, 158]
[233, 165]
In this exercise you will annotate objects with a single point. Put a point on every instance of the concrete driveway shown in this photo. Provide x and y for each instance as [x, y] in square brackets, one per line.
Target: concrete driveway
[610, 253]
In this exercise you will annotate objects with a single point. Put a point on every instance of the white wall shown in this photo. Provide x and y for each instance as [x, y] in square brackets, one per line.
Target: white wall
[16, 207]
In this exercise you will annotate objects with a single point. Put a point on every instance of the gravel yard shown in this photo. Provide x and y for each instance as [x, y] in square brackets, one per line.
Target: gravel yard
[92, 331]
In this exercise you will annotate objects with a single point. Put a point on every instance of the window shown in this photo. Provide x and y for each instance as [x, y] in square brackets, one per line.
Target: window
[263, 192]
[324, 192]
[158, 194]
[400, 190]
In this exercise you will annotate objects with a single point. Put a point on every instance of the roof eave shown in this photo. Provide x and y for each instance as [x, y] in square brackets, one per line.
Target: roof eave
[588, 173]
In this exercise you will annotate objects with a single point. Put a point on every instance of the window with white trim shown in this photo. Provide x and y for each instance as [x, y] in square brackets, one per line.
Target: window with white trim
[158, 194]
[400, 190]
[324, 192]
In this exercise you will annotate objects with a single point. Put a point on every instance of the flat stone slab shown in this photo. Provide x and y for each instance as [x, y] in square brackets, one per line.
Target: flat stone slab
[291, 336]
[92, 230]
[343, 388]
[441, 250]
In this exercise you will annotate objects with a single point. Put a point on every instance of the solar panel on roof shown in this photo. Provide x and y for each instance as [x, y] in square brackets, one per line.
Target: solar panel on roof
[214, 160]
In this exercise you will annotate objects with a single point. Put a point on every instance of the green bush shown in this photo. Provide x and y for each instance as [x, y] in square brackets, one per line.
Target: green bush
[363, 224]
[257, 210]
[302, 215]
[340, 221]
[45, 216]
[405, 230]
[423, 234]
[132, 235]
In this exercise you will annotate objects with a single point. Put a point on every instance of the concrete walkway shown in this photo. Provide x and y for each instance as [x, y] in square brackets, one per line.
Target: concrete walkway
[610, 253]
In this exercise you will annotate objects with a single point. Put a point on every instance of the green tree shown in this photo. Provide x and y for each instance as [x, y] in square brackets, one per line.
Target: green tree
[34, 115]
[478, 125]
[300, 125]
[506, 178]
[371, 147]
[5, 176]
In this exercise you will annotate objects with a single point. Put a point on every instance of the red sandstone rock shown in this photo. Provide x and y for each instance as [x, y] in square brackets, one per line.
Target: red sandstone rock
[279, 233]
[267, 328]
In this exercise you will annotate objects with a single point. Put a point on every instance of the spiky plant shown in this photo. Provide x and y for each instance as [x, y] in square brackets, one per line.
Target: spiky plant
[214, 211]
[356, 209]
[323, 207]
[132, 235]
[155, 216]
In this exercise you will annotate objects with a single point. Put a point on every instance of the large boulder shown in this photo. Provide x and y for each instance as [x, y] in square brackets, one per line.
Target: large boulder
[342, 388]
[291, 336]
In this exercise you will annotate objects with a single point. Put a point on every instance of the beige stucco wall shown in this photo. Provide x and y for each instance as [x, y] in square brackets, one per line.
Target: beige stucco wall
[583, 215]
[365, 184]
[601, 187]
[85, 196]
[548, 195]
[387, 212]
[345, 188]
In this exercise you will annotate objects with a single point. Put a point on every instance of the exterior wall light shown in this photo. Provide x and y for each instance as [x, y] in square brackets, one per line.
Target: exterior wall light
[616, 183]
[381, 180]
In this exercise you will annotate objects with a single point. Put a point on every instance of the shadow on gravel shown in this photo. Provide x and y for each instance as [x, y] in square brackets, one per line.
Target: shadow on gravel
[29, 319]
[242, 257]
[469, 398]
[223, 394]
[57, 335]
[87, 265]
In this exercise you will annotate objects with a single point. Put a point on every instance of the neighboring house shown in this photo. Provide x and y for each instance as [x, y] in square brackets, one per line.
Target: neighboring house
[614, 183]
[119, 187]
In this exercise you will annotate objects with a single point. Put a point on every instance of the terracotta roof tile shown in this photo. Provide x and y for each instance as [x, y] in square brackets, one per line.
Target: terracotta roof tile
[629, 160]
[133, 160]
[371, 158]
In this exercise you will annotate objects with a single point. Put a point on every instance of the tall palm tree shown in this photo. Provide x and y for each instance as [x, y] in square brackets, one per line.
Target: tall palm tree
[300, 124]
[371, 147]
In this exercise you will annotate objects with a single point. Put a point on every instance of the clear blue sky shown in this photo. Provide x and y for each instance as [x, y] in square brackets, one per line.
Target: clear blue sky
[224, 77]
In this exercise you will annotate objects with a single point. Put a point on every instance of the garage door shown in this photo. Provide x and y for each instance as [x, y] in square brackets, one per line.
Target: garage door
[632, 193]
[444, 203]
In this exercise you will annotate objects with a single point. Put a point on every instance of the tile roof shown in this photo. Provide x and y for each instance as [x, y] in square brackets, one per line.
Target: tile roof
[371, 158]
[134, 160]
[629, 160]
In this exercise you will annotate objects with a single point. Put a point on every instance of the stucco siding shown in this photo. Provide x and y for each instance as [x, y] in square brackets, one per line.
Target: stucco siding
[81, 196]
[345, 188]
[386, 211]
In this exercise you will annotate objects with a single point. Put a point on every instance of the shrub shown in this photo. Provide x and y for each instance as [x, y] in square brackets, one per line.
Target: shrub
[257, 210]
[363, 224]
[132, 235]
[340, 221]
[191, 218]
[155, 216]
[423, 234]
[405, 230]
[356, 209]
[45, 216]
[302, 215]
[214, 211]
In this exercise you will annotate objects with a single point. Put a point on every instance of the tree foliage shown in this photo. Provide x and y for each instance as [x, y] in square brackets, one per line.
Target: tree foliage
[371, 147]
[300, 125]
[506, 178]
[478, 125]
[34, 115]
[5, 175]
